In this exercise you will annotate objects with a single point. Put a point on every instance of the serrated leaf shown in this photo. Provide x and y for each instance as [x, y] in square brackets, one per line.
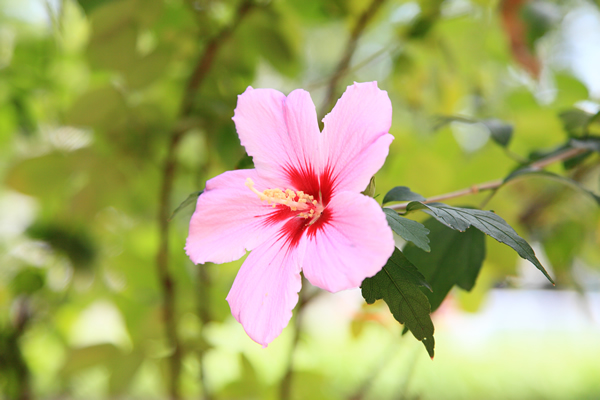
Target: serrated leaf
[546, 174]
[408, 229]
[402, 193]
[191, 199]
[398, 285]
[455, 259]
[500, 131]
[486, 221]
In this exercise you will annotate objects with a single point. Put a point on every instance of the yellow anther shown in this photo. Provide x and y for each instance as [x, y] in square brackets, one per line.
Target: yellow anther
[314, 202]
[278, 196]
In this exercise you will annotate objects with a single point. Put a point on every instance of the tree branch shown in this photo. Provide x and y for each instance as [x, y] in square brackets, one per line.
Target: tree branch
[167, 284]
[495, 184]
[344, 62]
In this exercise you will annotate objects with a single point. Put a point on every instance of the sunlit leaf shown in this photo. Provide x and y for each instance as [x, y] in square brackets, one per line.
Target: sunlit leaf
[577, 123]
[28, 281]
[408, 229]
[401, 193]
[370, 190]
[486, 221]
[500, 131]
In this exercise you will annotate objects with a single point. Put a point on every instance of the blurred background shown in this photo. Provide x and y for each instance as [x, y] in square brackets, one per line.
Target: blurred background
[112, 112]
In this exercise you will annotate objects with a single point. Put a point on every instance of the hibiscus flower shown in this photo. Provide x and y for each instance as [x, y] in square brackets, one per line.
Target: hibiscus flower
[301, 208]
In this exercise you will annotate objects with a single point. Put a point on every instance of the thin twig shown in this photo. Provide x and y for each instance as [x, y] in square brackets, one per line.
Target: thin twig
[495, 184]
[391, 48]
[342, 66]
[194, 84]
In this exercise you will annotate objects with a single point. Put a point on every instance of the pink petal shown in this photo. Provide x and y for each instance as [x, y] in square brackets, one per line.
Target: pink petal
[266, 289]
[354, 244]
[355, 139]
[230, 218]
[280, 133]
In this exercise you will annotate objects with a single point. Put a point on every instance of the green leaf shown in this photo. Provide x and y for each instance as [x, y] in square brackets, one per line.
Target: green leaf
[591, 143]
[408, 229]
[86, 357]
[191, 199]
[123, 371]
[486, 221]
[246, 162]
[577, 123]
[398, 285]
[455, 259]
[525, 172]
[500, 131]
[73, 241]
[89, 5]
[402, 193]
[370, 190]
[28, 281]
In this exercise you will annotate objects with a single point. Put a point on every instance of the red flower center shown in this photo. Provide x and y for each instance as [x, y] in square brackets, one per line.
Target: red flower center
[296, 201]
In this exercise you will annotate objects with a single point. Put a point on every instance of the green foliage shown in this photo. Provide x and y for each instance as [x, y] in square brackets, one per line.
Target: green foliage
[398, 285]
[28, 281]
[91, 93]
[578, 123]
[401, 193]
[455, 258]
[487, 222]
[407, 229]
[73, 242]
[370, 189]
[191, 199]
[501, 131]
[529, 172]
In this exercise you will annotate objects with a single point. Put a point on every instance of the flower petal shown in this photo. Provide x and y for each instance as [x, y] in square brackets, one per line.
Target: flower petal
[354, 244]
[280, 133]
[265, 290]
[230, 219]
[355, 140]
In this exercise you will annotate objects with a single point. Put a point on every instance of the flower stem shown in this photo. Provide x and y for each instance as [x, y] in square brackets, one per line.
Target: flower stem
[495, 184]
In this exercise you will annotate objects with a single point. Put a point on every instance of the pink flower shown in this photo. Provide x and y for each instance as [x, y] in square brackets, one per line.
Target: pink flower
[301, 208]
